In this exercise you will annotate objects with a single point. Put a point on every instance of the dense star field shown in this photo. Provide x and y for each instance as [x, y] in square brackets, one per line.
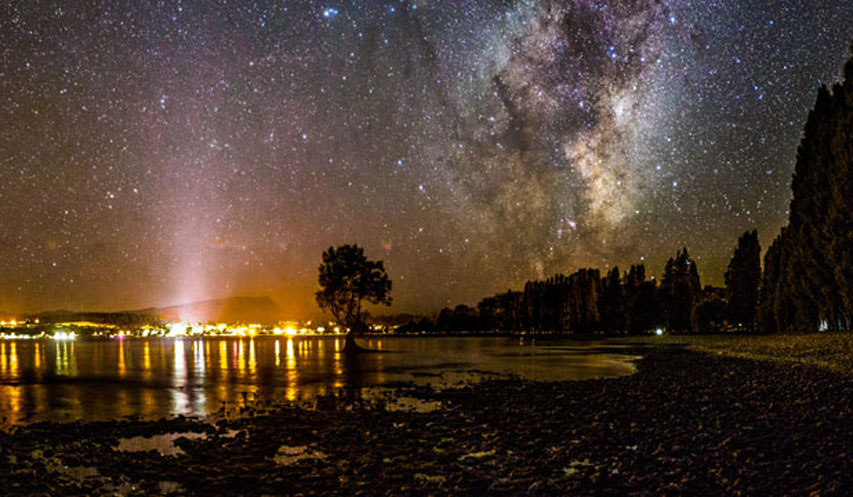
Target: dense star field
[154, 153]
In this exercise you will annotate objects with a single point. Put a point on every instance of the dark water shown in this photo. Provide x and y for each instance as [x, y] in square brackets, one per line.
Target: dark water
[151, 378]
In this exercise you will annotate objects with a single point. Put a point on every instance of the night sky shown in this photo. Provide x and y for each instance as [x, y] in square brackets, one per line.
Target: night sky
[153, 153]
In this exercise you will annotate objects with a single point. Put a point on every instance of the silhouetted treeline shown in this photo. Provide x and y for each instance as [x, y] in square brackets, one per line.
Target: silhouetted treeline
[583, 302]
[807, 282]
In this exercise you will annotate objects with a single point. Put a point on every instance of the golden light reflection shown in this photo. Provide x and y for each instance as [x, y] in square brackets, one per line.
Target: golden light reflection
[3, 356]
[179, 362]
[150, 406]
[122, 397]
[198, 356]
[122, 365]
[339, 371]
[207, 358]
[223, 355]
[72, 357]
[37, 358]
[291, 357]
[62, 359]
[180, 397]
[241, 357]
[13, 357]
[14, 396]
[380, 364]
[59, 366]
[146, 358]
[292, 375]
[252, 363]
[277, 354]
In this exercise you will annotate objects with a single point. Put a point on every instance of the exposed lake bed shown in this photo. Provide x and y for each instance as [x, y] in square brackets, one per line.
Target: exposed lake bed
[686, 423]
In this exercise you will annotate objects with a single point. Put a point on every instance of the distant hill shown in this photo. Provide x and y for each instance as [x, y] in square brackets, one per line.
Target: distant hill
[122, 318]
[229, 310]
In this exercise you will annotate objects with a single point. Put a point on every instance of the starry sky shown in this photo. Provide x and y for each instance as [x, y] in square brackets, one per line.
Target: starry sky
[153, 153]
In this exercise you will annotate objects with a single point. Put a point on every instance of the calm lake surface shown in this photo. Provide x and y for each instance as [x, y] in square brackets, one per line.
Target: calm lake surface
[44, 380]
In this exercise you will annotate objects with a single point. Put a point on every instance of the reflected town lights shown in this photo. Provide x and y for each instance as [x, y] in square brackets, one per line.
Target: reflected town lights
[146, 358]
[122, 365]
[13, 356]
[291, 356]
[61, 335]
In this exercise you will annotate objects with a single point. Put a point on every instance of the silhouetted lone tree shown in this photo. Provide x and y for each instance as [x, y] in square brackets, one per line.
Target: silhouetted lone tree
[348, 279]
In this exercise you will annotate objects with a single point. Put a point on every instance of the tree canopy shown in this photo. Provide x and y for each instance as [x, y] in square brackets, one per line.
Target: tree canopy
[348, 280]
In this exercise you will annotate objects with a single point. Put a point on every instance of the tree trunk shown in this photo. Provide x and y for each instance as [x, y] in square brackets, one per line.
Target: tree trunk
[350, 347]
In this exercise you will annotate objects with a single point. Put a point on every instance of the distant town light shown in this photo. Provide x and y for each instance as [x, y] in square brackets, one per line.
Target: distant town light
[177, 329]
[659, 331]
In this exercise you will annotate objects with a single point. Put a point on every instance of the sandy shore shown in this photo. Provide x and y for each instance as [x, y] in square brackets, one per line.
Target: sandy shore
[687, 423]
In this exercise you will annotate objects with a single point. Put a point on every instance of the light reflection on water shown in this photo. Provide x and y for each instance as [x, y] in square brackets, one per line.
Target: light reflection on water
[151, 378]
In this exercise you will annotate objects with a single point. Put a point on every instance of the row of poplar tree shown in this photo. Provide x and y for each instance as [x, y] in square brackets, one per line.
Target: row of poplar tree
[618, 302]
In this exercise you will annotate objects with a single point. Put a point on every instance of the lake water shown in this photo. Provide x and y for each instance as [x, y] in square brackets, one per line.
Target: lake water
[151, 378]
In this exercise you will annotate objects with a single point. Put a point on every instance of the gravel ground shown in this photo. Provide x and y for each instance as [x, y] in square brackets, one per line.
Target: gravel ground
[687, 423]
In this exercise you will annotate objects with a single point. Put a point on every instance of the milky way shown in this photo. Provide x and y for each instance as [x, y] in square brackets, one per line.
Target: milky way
[178, 151]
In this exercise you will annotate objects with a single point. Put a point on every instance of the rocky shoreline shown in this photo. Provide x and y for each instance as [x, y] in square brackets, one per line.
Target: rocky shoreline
[687, 423]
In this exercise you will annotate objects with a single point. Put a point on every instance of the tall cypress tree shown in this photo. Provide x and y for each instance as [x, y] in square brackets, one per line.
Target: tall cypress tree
[742, 279]
[808, 273]
[611, 303]
[680, 289]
